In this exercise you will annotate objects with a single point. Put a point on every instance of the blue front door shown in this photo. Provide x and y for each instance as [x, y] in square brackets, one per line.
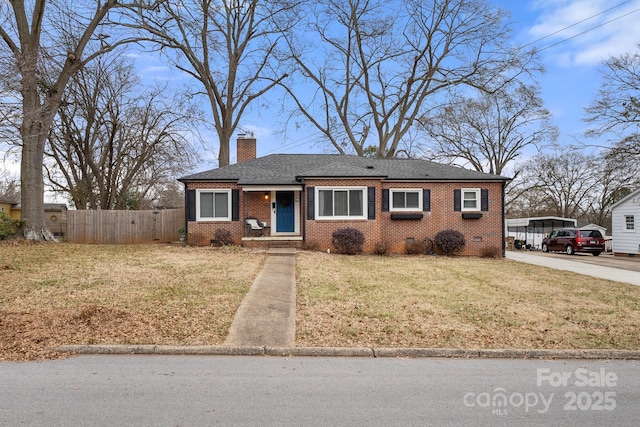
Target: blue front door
[285, 217]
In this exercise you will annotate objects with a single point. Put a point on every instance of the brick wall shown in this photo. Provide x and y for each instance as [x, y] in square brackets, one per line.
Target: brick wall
[479, 233]
[201, 233]
[245, 149]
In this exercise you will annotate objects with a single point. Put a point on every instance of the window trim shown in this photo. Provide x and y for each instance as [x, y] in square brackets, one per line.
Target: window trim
[226, 191]
[342, 188]
[633, 224]
[406, 190]
[477, 207]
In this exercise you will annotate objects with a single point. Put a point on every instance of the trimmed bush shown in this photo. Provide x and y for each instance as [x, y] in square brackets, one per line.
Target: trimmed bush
[310, 245]
[415, 247]
[490, 252]
[8, 226]
[223, 237]
[381, 248]
[347, 241]
[449, 242]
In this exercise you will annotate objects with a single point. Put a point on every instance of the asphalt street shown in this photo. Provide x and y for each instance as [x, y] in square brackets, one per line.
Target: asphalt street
[259, 390]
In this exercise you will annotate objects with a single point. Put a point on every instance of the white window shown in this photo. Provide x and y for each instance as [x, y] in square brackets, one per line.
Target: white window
[470, 199]
[341, 203]
[405, 199]
[629, 223]
[213, 205]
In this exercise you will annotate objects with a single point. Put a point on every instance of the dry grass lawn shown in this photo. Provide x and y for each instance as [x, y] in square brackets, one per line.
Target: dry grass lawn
[53, 294]
[459, 303]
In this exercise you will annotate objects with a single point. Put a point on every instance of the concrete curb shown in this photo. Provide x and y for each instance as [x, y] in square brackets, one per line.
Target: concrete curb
[351, 352]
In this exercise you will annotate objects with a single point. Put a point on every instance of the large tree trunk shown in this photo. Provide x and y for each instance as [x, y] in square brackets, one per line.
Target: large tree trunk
[34, 136]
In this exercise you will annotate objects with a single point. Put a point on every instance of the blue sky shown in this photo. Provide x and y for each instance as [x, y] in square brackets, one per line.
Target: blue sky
[572, 52]
[575, 37]
[573, 56]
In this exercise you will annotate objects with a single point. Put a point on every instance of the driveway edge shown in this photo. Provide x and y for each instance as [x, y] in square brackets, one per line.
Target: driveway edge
[351, 352]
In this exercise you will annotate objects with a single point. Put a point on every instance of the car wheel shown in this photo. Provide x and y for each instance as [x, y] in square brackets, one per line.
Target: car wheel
[596, 253]
[545, 248]
[570, 250]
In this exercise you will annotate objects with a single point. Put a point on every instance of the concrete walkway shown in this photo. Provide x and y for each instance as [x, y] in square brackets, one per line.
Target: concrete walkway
[267, 314]
[565, 263]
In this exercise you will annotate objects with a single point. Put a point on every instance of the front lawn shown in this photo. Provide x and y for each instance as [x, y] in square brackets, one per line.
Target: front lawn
[54, 294]
[459, 302]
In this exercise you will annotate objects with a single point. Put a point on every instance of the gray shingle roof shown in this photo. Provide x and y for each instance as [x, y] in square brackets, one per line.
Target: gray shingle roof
[287, 169]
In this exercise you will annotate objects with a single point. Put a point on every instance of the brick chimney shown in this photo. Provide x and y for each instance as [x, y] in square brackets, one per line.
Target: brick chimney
[246, 148]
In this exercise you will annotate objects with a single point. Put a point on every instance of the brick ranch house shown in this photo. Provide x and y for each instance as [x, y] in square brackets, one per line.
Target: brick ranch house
[304, 198]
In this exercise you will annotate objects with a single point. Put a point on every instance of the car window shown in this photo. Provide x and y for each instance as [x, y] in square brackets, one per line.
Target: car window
[553, 234]
[591, 233]
[571, 233]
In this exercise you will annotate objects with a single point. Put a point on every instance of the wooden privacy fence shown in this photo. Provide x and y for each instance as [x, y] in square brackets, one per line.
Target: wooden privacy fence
[90, 226]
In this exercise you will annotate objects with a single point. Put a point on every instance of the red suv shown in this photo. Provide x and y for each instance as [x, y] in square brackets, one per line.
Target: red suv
[572, 240]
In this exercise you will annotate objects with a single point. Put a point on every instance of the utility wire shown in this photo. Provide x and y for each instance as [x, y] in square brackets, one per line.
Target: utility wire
[577, 23]
[589, 30]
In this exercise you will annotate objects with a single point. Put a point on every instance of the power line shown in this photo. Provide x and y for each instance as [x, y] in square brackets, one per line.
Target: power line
[577, 23]
[589, 30]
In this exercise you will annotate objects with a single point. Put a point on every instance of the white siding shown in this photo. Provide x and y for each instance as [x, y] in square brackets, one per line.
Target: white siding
[625, 241]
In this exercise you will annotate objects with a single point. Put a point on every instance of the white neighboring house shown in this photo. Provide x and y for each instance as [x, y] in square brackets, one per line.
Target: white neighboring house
[625, 219]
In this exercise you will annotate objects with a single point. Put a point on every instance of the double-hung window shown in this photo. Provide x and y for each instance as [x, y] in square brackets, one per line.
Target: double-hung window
[406, 199]
[470, 199]
[629, 223]
[213, 205]
[341, 203]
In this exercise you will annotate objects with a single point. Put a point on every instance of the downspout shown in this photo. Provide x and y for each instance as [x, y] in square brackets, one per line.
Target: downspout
[303, 210]
[186, 214]
[504, 222]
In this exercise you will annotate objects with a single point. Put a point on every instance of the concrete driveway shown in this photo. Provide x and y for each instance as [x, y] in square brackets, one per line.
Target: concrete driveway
[605, 266]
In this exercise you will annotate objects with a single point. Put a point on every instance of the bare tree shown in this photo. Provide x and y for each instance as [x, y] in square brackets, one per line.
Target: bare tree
[616, 108]
[562, 182]
[618, 175]
[9, 187]
[491, 131]
[44, 43]
[112, 142]
[375, 67]
[228, 47]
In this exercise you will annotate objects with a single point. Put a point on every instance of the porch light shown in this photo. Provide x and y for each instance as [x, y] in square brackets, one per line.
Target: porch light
[266, 195]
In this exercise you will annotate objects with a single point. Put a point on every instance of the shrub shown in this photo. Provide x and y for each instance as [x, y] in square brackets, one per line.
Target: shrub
[449, 242]
[347, 241]
[381, 248]
[491, 252]
[310, 245]
[223, 237]
[415, 247]
[8, 226]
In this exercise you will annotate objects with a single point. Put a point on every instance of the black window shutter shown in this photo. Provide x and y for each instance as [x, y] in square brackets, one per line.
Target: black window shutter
[457, 204]
[371, 202]
[190, 203]
[235, 205]
[426, 200]
[311, 207]
[385, 200]
[484, 200]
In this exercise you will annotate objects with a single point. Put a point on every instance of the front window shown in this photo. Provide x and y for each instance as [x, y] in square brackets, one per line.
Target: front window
[341, 202]
[406, 200]
[629, 223]
[213, 205]
[470, 199]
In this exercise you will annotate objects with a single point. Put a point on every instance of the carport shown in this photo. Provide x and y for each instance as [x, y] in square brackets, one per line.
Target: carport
[533, 230]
